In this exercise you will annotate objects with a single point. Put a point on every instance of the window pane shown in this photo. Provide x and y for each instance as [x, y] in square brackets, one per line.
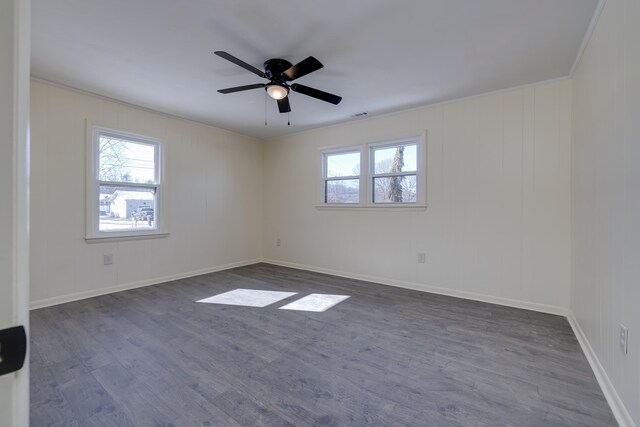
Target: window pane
[401, 158]
[343, 164]
[127, 208]
[394, 189]
[126, 161]
[342, 191]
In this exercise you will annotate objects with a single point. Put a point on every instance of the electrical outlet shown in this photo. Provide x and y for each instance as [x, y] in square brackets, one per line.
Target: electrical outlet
[422, 257]
[277, 242]
[624, 339]
[108, 259]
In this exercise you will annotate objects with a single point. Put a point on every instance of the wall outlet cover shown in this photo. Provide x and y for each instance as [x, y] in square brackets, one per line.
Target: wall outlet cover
[624, 339]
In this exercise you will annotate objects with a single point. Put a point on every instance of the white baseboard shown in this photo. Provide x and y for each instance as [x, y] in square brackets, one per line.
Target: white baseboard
[617, 406]
[561, 311]
[47, 302]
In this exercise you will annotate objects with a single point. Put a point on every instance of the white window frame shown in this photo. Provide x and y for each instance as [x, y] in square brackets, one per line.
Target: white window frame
[367, 174]
[373, 175]
[337, 151]
[93, 183]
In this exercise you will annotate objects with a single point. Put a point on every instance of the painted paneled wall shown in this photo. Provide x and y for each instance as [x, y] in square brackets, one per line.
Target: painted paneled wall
[497, 225]
[605, 290]
[214, 191]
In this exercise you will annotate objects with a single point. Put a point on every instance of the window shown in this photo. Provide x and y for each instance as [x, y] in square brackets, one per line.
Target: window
[394, 171]
[124, 185]
[341, 172]
[393, 175]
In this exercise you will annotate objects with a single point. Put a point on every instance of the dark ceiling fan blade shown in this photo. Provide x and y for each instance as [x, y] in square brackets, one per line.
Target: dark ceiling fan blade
[283, 105]
[241, 88]
[239, 62]
[303, 68]
[315, 93]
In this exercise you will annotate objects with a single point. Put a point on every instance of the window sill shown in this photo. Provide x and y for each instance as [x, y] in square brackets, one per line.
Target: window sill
[354, 207]
[123, 237]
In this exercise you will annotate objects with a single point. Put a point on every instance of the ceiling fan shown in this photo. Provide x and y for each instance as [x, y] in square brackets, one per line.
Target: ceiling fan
[279, 72]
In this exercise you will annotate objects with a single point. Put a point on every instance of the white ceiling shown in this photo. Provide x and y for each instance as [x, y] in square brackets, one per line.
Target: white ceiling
[379, 55]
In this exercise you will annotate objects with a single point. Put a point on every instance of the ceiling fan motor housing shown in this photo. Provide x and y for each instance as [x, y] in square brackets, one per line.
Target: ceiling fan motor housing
[273, 69]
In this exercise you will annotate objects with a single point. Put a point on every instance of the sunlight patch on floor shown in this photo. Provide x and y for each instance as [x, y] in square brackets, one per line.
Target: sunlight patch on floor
[315, 302]
[248, 297]
[259, 298]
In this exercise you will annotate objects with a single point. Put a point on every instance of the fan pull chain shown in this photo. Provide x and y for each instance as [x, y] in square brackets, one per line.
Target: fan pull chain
[265, 107]
[288, 118]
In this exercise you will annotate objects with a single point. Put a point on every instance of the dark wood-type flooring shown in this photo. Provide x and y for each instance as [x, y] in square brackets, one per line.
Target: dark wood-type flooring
[384, 357]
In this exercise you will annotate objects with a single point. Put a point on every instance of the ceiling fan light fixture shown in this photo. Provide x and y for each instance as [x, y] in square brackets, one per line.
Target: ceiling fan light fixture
[277, 91]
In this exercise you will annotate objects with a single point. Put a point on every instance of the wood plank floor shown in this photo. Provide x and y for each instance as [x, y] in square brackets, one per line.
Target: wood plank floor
[384, 357]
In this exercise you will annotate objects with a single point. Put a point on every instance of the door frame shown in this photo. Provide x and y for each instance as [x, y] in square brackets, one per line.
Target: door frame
[18, 121]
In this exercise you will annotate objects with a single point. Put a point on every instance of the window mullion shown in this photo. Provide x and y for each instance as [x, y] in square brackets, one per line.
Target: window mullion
[128, 184]
[392, 174]
[341, 178]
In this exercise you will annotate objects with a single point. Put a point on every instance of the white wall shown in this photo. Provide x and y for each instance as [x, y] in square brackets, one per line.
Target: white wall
[497, 223]
[605, 289]
[214, 199]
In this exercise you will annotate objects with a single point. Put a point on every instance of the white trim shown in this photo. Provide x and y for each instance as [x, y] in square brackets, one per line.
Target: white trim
[587, 35]
[138, 107]
[93, 183]
[420, 141]
[367, 174]
[333, 151]
[410, 140]
[348, 121]
[47, 302]
[379, 207]
[344, 122]
[21, 162]
[125, 237]
[617, 406]
[543, 308]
